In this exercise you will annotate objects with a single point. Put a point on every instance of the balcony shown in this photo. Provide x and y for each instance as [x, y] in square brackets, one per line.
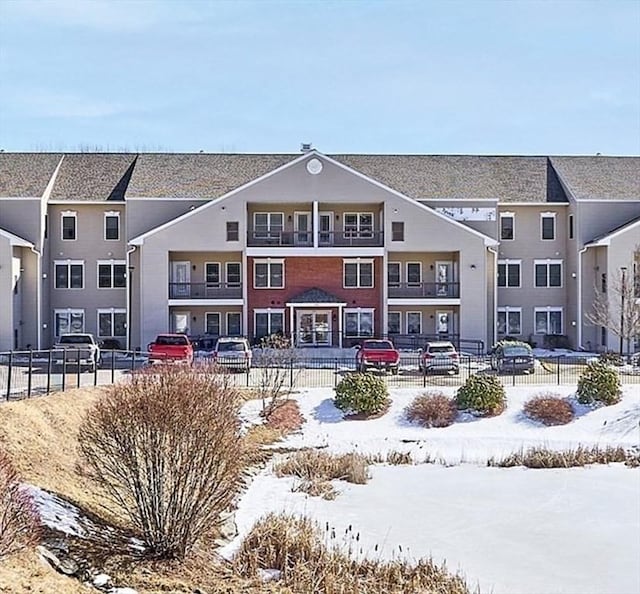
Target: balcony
[424, 291]
[205, 291]
[325, 238]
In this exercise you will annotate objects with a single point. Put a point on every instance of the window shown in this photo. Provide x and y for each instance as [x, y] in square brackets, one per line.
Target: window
[212, 323]
[269, 321]
[212, 274]
[268, 274]
[603, 282]
[112, 226]
[548, 320]
[414, 274]
[548, 225]
[268, 224]
[570, 225]
[394, 322]
[68, 320]
[507, 226]
[509, 320]
[69, 225]
[393, 274]
[233, 231]
[358, 224]
[112, 274]
[358, 274]
[112, 323]
[414, 322]
[358, 322]
[397, 231]
[234, 323]
[548, 273]
[509, 273]
[234, 276]
[69, 275]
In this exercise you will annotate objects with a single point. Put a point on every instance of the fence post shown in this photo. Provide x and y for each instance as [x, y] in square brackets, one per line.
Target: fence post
[290, 371]
[558, 372]
[133, 361]
[78, 369]
[49, 368]
[29, 379]
[335, 372]
[113, 367]
[513, 372]
[9, 373]
[64, 369]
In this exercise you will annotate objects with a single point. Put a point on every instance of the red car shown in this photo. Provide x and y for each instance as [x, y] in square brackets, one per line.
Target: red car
[171, 348]
[378, 354]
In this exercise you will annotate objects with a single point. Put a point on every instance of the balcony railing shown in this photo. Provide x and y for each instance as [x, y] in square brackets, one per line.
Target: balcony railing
[205, 291]
[424, 290]
[325, 238]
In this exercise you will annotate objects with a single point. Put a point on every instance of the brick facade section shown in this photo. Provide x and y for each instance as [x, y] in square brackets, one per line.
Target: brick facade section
[301, 274]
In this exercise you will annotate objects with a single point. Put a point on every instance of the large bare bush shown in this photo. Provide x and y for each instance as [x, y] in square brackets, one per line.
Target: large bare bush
[432, 409]
[166, 449]
[19, 521]
[549, 409]
[278, 371]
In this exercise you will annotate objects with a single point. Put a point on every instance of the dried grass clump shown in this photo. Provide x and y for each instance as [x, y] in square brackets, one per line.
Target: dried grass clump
[432, 409]
[549, 409]
[296, 547]
[538, 457]
[285, 416]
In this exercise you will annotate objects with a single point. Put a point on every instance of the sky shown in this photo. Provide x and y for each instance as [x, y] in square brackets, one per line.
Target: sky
[428, 77]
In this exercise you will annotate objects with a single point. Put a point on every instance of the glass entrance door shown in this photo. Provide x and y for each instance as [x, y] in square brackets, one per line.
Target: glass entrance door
[313, 328]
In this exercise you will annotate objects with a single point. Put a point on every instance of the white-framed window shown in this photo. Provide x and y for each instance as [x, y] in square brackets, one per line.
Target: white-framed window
[69, 274]
[66, 321]
[233, 271]
[212, 323]
[358, 321]
[233, 231]
[358, 274]
[212, 274]
[507, 226]
[69, 225]
[414, 274]
[394, 322]
[509, 273]
[112, 323]
[358, 224]
[234, 323]
[547, 320]
[393, 274]
[397, 231]
[268, 321]
[509, 321]
[112, 274]
[414, 322]
[570, 227]
[112, 225]
[547, 273]
[548, 226]
[268, 224]
[268, 274]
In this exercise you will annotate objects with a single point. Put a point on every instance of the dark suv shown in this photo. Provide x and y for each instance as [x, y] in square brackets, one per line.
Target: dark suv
[510, 357]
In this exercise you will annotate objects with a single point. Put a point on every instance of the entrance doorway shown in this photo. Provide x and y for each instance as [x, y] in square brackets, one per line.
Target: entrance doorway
[313, 328]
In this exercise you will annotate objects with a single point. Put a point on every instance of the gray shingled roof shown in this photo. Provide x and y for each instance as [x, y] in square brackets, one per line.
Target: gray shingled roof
[602, 178]
[315, 295]
[93, 176]
[198, 175]
[26, 175]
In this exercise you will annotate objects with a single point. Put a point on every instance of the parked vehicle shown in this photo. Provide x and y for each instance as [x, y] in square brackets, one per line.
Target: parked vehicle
[74, 349]
[439, 356]
[171, 348]
[379, 354]
[233, 353]
[512, 357]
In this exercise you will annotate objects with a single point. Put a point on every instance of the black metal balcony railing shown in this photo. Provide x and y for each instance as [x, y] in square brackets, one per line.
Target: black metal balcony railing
[325, 238]
[424, 290]
[205, 291]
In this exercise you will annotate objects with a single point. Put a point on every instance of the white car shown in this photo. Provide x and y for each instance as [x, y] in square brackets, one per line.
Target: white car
[233, 352]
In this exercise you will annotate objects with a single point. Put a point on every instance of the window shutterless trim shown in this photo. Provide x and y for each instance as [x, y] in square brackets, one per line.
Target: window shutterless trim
[548, 263]
[268, 262]
[507, 215]
[72, 214]
[543, 216]
[68, 264]
[112, 311]
[111, 214]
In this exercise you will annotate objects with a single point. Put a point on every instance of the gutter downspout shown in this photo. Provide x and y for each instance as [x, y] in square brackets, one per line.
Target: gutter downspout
[495, 294]
[38, 297]
[579, 303]
[129, 293]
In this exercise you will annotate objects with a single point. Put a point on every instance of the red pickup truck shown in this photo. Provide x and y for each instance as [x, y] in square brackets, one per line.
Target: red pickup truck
[380, 354]
[171, 348]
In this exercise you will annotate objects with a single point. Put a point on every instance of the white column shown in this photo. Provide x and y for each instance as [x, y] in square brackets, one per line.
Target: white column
[245, 291]
[292, 333]
[316, 219]
[340, 326]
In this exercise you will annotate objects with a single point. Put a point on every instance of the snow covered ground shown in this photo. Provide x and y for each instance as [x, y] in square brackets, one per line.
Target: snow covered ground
[512, 531]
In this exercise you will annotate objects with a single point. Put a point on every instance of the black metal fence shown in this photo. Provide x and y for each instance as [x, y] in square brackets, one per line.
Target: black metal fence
[24, 374]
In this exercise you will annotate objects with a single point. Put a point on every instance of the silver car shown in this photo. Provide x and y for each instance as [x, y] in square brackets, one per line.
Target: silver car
[233, 352]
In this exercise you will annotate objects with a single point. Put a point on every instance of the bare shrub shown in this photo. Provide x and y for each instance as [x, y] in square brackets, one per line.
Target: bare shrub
[297, 548]
[286, 416]
[396, 458]
[166, 450]
[549, 409]
[278, 371]
[19, 519]
[539, 457]
[432, 409]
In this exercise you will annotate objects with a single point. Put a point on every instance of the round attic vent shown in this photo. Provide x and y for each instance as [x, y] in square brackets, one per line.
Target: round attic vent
[314, 166]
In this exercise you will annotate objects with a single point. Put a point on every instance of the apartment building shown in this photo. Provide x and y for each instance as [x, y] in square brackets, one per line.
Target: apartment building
[326, 249]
